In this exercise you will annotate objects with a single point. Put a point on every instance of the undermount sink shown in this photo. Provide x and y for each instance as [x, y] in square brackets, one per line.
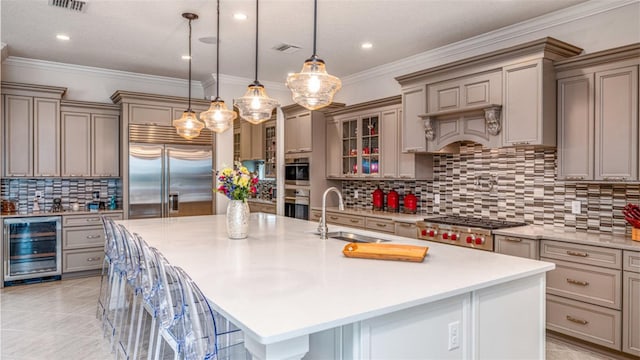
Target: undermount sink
[352, 237]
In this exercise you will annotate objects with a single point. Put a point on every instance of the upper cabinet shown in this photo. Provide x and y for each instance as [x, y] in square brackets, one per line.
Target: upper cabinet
[363, 142]
[297, 132]
[31, 120]
[251, 141]
[598, 116]
[90, 139]
[503, 98]
[270, 142]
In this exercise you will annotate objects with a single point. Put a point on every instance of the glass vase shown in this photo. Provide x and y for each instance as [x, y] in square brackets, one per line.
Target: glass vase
[237, 219]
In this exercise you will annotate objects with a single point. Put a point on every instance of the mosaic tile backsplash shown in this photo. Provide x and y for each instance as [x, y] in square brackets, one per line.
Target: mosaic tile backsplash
[509, 184]
[68, 190]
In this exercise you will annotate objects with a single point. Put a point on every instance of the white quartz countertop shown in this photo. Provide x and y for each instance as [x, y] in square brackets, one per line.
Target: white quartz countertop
[571, 235]
[395, 216]
[283, 281]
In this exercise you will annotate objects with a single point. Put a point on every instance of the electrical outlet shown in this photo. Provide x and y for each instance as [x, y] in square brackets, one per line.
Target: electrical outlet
[575, 207]
[38, 194]
[436, 199]
[454, 335]
[355, 194]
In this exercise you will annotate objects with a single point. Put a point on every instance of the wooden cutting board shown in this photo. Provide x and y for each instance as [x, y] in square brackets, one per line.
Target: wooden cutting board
[385, 251]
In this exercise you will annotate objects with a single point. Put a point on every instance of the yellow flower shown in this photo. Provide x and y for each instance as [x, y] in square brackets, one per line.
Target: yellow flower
[227, 172]
[244, 170]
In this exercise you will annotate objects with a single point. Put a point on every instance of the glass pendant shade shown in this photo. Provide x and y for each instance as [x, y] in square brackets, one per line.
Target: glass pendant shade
[313, 88]
[255, 106]
[218, 118]
[188, 126]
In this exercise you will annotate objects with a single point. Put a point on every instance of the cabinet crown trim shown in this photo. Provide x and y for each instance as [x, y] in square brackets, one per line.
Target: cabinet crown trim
[601, 57]
[13, 88]
[121, 96]
[547, 47]
[373, 104]
[87, 105]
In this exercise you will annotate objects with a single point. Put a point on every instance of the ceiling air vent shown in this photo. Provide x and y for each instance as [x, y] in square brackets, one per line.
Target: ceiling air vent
[286, 48]
[73, 5]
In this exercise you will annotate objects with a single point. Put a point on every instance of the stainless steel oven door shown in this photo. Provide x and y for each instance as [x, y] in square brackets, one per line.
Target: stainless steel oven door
[296, 173]
[296, 203]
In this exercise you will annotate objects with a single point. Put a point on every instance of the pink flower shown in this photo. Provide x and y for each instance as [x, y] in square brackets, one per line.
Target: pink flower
[254, 180]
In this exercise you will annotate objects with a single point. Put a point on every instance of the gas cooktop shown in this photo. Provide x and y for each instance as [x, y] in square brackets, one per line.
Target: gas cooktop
[474, 222]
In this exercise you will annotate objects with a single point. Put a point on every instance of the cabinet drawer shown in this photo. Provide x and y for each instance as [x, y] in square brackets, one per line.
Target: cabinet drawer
[81, 260]
[315, 215]
[346, 220]
[376, 224]
[406, 229]
[87, 220]
[592, 284]
[585, 254]
[631, 261]
[82, 237]
[509, 245]
[592, 323]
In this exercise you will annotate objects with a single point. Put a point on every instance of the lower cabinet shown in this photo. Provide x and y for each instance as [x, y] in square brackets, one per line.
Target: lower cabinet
[406, 229]
[515, 246]
[631, 303]
[269, 208]
[83, 241]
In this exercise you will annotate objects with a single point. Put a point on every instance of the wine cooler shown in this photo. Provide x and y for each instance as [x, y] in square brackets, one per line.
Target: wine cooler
[32, 248]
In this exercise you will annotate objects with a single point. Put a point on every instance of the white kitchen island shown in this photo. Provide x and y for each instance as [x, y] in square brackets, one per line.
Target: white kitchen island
[296, 296]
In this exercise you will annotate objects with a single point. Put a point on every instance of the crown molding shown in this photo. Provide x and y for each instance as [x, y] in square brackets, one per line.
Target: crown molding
[493, 38]
[107, 73]
[243, 81]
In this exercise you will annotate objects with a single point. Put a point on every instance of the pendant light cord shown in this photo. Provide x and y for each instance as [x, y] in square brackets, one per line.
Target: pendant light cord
[256, 79]
[189, 109]
[218, 54]
[315, 25]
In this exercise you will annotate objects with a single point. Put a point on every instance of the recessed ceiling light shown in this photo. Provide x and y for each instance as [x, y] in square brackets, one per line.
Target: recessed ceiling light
[186, 57]
[63, 37]
[240, 16]
[366, 45]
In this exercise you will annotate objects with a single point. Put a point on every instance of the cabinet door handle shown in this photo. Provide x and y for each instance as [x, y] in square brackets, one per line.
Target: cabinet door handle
[614, 178]
[333, 217]
[577, 282]
[92, 219]
[574, 177]
[520, 143]
[513, 239]
[94, 236]
[379, 225]
[404, 224]
[575, 253]
[577, 321]
[354, 221]
[94, 258]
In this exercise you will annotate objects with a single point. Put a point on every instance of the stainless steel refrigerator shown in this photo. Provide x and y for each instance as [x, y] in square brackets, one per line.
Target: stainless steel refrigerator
[170, 180]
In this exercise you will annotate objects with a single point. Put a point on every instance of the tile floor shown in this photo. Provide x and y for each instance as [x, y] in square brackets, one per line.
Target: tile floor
[56, 321]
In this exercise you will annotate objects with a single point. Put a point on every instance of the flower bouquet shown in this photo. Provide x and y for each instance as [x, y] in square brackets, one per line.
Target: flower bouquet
[237, 184]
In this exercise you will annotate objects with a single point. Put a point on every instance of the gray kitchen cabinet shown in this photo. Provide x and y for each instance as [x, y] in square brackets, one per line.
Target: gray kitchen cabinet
[529, 111]
[83, 242]
[105, 135]
[257, 142]
[270, 144]
[245, 139]
[616, 124]
[598, 115]
[251, 141]
[76, 144]
[464, 93]
[414, 104]
[297, 132]
[31, 121]
[394, 163]
[333, 167]
[631, 303]
[576, 127]
[516, 246]
[90, 139]
[151, 114]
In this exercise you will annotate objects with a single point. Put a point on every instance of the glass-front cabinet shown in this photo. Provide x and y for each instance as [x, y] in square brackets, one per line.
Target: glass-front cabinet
[361, 145]
[270, 149]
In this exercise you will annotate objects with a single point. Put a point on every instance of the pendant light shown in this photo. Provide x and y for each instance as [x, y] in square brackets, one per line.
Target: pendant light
[256, 106]
[313, 88]
[188, 126]
[218, 118]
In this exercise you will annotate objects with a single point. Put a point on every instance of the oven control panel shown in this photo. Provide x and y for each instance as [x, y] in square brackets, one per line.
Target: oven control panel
[456, 235]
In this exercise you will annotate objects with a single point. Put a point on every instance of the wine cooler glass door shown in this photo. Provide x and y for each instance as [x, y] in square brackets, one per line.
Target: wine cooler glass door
[32, 247]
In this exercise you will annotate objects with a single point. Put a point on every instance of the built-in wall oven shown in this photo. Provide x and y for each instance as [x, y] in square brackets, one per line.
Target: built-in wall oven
[296, 203]
[296, 171]
[32, 248]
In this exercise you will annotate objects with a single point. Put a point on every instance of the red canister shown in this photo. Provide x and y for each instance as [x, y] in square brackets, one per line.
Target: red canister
[378, 199]
[393, 201]
[410, 204]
